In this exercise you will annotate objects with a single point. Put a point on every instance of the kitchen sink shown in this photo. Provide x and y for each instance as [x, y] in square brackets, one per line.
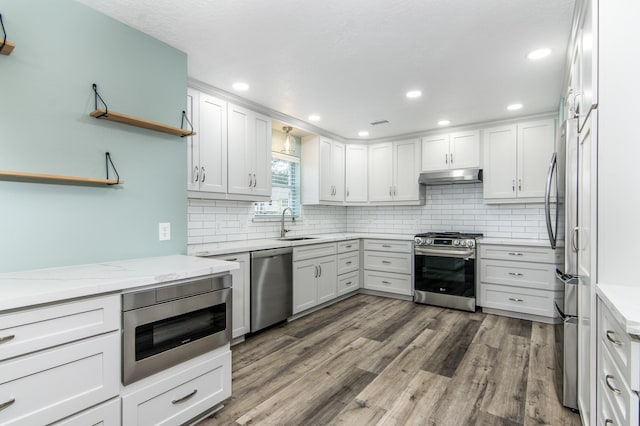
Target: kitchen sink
[295, 238]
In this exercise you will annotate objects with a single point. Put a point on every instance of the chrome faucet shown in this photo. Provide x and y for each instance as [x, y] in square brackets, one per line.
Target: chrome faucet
[284, 231]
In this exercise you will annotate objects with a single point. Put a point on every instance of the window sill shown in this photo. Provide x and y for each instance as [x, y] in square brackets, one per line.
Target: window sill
[262, 219]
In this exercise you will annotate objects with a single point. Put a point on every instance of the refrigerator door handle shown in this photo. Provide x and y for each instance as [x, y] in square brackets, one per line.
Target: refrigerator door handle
[547, 200]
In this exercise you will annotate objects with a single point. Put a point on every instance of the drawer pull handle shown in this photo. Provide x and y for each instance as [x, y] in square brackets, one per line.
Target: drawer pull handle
[7, 404]
[348, 283]
[516, 299]
[607, 379]
[349, 246]
[386, 282]
[233, 259]
[611, 339]
[386, 246]
[8, 338]
[608, 422]
[516, 274]
[348, 262]
[185, 398]
[515, 253]
[386, 262]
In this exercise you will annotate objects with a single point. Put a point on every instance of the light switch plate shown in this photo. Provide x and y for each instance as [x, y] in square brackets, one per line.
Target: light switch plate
[164, 231]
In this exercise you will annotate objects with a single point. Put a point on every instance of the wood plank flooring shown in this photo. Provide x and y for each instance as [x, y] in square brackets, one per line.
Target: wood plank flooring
[375, 361]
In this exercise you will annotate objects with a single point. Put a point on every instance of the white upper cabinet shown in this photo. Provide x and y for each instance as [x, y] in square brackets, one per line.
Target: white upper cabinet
[356, 173]
[588, 61]
[323, 170]
[207, 150]
[516, 161]
[249, 153]
[394, 168]
[458, 150]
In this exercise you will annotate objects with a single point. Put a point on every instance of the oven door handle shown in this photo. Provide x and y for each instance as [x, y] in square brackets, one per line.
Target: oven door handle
[465, 254]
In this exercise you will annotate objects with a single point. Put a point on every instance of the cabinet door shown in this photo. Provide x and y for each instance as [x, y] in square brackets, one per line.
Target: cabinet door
[588, 52]
[327, 278]
[240, 155]
[435, 153]
[212, 133]
[381, 172]
[193, 149]
[406, 164]
[356, 173]
[337, 167]
[500, 162]
[305, 274]
[326, 170]
[464, 150]
[240, 296]
[261, 151]
[536, 145]
[586, 267]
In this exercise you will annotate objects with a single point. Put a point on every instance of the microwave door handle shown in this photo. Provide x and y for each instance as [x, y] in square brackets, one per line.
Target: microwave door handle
[547, 200]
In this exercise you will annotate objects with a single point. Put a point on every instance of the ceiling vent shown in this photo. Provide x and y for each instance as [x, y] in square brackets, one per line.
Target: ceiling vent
[375, 123]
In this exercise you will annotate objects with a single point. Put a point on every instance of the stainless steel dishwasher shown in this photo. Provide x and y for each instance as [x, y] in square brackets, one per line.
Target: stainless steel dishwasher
[271, 287]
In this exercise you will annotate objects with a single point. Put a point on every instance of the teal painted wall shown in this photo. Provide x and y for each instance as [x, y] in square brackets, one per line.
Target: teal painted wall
[62, 47]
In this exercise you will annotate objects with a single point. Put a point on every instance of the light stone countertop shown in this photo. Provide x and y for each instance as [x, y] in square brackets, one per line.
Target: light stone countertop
[27, 288]
[622, 301]
[229, 247]
[515, 242]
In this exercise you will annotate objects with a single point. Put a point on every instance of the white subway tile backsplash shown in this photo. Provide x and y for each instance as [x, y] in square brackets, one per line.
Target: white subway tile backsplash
[448, 208]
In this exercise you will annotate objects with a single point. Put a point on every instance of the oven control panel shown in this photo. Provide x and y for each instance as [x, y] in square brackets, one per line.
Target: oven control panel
[447, 242]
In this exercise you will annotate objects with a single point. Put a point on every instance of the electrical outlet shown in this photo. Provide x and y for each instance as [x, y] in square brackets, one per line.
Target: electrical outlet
[164, 231]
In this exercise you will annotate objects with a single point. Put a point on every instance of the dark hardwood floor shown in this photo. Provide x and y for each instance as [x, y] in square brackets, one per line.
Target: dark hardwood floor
[376, 361]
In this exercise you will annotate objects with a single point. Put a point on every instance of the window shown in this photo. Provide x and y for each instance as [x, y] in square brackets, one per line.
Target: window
[285, 187]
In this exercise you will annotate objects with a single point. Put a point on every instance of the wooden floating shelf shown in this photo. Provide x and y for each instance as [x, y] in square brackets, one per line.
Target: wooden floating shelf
[8, 48]
[59, 179]
[139, 122]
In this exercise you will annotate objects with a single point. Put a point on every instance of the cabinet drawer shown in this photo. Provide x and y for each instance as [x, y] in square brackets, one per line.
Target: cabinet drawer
[346, 246]
[388, 262]
[518, 274]
[348, 262]
[40, 328]
[56, 383]
[178, 398]
[389, 245]
[623, 400]
[517, 253]
[348, 283]
[523, 300]
[391, 283]
[624, 351]
[607, 416]
[107, 414]
[314, 250]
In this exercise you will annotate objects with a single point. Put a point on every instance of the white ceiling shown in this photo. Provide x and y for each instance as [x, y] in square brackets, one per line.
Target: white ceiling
[351, 61]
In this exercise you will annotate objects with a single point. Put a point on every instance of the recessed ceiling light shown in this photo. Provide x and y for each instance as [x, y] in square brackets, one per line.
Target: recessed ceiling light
[414, 94]
[444, 122]
[514, 107]
[314, 117]
[363, 133]
[539, 54]
[240, 86]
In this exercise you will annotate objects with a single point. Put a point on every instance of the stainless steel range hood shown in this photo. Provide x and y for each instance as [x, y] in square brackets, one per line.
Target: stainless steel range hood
[451, 176]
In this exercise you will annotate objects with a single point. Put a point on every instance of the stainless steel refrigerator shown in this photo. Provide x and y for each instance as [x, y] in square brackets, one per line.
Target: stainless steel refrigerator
[561, 212]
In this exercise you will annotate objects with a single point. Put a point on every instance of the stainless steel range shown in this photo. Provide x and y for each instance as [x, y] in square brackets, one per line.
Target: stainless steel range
[445, 269]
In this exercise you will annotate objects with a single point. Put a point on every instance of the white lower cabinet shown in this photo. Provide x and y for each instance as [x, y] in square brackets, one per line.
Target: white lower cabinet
[52, 384]
[618, 364]
[314, 282]
[518, 281]
[348, 283]
[240, 296]
[181, 393]
[388, 266]
[105, 414]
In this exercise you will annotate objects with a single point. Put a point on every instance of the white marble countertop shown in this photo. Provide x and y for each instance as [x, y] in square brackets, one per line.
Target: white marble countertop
[214, 249]
[515, 242]
[622, 301]
[27, 288]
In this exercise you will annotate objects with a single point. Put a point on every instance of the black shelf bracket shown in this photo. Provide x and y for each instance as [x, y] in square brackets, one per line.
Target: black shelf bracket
[107, 161]
[4, 34]
[96, 97]
[185, 118]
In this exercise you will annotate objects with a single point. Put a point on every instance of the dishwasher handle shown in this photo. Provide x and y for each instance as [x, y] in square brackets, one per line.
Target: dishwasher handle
[260, 254]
